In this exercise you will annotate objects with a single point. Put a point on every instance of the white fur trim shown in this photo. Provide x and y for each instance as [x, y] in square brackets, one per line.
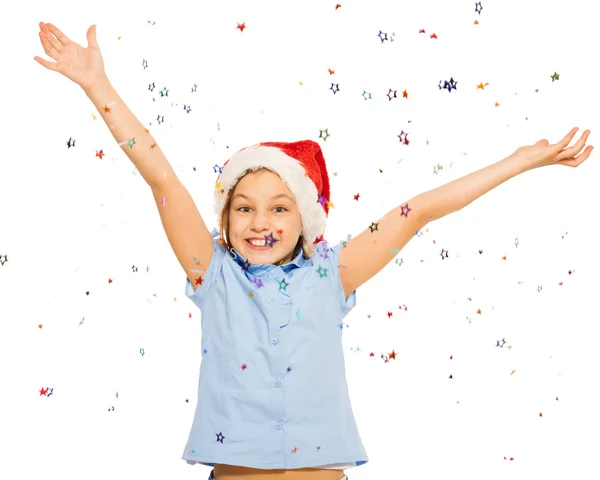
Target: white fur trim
[291, 172]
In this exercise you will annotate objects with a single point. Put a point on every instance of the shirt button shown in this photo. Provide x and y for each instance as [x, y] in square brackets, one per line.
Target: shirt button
[271, 300]
[275, 341]
[278, 426]
[277, 383]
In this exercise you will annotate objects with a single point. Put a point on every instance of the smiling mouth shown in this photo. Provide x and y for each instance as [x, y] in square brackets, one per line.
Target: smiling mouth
[259, 247]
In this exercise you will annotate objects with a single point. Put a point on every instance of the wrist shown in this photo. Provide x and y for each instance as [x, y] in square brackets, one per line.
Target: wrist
[99, 84]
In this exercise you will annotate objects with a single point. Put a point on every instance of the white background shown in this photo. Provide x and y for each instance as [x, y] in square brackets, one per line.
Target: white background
[70, 222]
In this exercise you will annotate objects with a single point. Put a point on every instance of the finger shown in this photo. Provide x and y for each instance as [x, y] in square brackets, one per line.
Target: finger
[49, 65]
[575, 149]
[579, 159]
[58, 34]
[48, 47]
[564, 143]
[45, 33]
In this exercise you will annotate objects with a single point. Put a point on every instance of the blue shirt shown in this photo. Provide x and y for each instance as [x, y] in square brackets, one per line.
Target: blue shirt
[272, 392]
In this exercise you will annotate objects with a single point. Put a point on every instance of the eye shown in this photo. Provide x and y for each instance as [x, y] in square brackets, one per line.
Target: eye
[239, 209]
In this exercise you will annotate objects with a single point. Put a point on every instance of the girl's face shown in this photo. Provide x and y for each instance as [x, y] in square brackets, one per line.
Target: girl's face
[263, 208]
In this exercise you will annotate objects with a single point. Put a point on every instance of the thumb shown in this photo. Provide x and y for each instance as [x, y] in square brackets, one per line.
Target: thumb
[91, 36]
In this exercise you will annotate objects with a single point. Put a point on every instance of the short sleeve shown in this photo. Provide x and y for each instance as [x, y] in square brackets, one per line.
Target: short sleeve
[330, 257]
[210, 276]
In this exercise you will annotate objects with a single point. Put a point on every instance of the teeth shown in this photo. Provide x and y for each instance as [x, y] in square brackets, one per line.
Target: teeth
[258, 243]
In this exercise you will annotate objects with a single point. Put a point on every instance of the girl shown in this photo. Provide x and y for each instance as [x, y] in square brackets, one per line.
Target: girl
[272, 398]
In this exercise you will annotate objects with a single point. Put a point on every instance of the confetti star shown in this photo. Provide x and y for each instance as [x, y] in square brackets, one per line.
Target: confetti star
[444, 254]
[70, 143]
[106, 109]
[364, 95]
[131, 142]
[160, 119]
[151, 87]
[338, 6]
[404, 94]
[337, 88]
[380, 36]
[145, 64]
[194, 88]
[283, 284]
[403, 137]
[220, 437]
[374, 226]
[478, 8]
[322, 271]
[3, 259]
[422, 30]
[405, 210]
[187, 108]
[433, 35]
[331, 72]
[269, 240]
[476, 22]
[241, 26]
[164, 92]
[100, 154]
[356, 196]
[555, 76]
[325, 133]
[389, 92]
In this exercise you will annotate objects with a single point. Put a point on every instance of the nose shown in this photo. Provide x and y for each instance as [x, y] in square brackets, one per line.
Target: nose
[260, 223]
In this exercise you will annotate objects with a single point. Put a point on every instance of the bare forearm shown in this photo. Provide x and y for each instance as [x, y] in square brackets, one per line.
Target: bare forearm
[135, 140]
[456, 195]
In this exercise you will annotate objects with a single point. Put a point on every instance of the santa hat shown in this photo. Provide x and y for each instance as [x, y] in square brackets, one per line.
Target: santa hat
[299, 164]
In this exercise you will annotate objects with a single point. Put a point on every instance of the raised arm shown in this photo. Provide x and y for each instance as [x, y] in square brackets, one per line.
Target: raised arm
[188, 235]
[364, 256]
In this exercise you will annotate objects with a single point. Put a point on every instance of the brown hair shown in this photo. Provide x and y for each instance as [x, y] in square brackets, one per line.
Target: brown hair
[307, 249]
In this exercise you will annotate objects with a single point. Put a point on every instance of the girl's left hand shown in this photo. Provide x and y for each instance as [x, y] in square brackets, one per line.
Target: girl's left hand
[542, 154]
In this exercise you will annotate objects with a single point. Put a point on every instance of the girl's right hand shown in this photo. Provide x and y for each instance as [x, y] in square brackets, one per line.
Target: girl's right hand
[84, 66]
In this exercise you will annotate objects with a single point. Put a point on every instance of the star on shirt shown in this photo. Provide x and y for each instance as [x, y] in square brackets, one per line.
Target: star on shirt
[322, 271]
[283, 284]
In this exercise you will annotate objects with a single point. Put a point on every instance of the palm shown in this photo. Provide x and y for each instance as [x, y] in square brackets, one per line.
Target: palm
[82, 65]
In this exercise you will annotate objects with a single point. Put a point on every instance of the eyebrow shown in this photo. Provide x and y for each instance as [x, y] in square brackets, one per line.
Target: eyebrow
[279, 195]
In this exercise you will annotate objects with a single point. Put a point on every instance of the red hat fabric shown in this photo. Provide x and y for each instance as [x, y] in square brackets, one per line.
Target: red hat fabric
[300, 165]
